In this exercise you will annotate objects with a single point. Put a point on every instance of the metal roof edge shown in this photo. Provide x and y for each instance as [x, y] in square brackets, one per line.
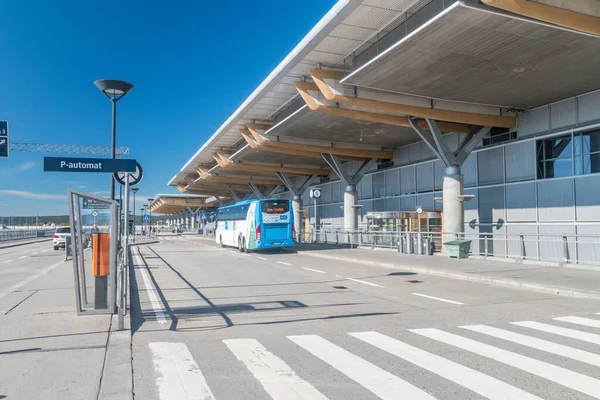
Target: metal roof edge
[337, 13]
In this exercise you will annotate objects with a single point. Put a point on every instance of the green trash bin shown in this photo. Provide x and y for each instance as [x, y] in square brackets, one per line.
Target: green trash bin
[458, 248]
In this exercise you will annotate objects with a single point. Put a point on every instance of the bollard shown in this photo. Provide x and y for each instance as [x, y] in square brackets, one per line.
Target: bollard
[522, 246]
[565, 249]
[486, 238]
[420, 243]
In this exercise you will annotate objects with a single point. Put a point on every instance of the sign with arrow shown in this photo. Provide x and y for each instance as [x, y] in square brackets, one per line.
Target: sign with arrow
[3, 139]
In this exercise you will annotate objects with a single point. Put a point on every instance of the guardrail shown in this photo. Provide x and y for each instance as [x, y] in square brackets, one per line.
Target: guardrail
[563, 248]
[20, 234]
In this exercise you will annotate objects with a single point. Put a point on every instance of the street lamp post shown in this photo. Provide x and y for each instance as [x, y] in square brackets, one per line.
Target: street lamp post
[115, 90]
[150, 199]
[134, 190]
[142, 214]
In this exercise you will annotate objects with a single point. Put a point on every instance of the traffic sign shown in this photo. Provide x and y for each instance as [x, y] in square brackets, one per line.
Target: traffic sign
[95, 213]
[146, 217]
[95, 204]
[316, 193]
[203, 216]
[419, 210]
[3, 139]
[70, 164]
[133, 177]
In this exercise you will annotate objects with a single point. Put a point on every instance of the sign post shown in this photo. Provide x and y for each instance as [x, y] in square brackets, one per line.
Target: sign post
[3, 139]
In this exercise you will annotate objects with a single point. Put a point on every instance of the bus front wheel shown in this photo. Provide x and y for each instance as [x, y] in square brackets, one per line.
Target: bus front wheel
[221, 241]
[245, 245]
[240, 245]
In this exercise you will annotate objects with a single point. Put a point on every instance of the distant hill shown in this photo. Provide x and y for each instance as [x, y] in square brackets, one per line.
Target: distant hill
[56, 219]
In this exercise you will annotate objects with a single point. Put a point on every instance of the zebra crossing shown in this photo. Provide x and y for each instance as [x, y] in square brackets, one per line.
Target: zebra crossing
[179, 376]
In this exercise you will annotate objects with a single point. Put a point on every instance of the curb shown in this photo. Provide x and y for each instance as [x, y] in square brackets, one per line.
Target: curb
[468, 277]
[117, 373]
[24, 243]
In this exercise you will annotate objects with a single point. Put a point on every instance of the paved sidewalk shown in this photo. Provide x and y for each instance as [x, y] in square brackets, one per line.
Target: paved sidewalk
[573, 282]
[46, 350]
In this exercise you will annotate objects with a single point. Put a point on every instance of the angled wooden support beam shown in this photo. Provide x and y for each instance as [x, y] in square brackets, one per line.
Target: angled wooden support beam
[460, 117]
[225, 163]
[340, 151]
[241, 180]
[274, 149]
[558, 16]
[335, 164]
[214, 186]
[372, 116]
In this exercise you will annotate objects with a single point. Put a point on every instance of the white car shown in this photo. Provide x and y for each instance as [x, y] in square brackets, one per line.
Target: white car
[60, 237]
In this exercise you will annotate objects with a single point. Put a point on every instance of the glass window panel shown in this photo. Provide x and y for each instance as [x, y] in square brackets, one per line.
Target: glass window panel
[557, 168]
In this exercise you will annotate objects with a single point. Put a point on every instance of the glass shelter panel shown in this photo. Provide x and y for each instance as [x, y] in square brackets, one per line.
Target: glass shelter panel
[94, 248]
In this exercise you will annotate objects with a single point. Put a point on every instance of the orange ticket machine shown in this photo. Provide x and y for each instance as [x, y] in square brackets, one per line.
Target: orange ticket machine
[100, 254]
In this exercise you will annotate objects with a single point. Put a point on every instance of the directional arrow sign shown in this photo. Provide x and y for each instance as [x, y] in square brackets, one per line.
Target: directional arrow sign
[3, 139]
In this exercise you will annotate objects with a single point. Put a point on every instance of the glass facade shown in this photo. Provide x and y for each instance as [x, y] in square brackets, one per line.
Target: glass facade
[563, 156]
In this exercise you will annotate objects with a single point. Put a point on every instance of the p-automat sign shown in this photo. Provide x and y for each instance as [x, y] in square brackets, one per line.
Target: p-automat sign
[69, 164]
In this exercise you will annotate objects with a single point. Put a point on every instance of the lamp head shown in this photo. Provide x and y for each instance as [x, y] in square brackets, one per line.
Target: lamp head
[113, 88]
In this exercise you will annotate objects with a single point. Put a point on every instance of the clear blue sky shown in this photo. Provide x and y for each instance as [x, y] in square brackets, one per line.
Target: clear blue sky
[192, 62]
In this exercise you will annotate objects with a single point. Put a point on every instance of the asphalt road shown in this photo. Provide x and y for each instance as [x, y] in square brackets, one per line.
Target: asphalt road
[215, 323]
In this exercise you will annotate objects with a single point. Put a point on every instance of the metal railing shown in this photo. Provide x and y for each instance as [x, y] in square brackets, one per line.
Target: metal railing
[122, 271]
[562, 248]
[20, 234]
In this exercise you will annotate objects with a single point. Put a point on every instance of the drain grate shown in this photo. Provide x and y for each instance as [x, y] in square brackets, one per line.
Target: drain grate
[414, 281]
[340, 287]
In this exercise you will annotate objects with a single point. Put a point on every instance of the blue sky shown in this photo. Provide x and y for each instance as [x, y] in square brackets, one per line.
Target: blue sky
[192, 63]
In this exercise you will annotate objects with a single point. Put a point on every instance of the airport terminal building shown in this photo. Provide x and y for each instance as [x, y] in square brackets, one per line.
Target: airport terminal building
[480, 117]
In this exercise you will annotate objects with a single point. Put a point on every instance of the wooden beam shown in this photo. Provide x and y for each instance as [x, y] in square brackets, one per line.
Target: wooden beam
[460, 117]
[238, 179]
[376, 117]
[558, 16]
[270, 146]
[339, 151]
[228, 164]
[224, 188]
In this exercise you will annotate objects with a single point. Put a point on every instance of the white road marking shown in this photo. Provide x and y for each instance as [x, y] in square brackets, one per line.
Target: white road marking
[284, 263]
[7, 261]
[562, 376]
[314, 270]
[278, 379]
[32, 278]
[559, 330]
[476, 381]
[379, 381]
[540, 344]
[180, 376]
[43, 251]
[437, 298]
[37, 252]
[365, 282]
[262, 258]
[22, 257]
[158, 312]
[594, 323]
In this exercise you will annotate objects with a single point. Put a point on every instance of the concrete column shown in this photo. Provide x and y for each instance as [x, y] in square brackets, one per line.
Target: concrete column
[454, 212]
[296, 207]
[350, 208]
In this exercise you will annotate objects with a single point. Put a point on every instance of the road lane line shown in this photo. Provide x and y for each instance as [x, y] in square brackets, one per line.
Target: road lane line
[43, 251]
[158, 312]
[365, 282]
[562, 376]
[22, 257]
[437, 298]
[379, 381]
[284, 263]
[7, 261]
[559, 330]
[180, 376]
[314, 270]
[594, 323]
[32, 278]
[276, 377]
[262, 258]
[540, 344]
[37, 252]
[471, 379]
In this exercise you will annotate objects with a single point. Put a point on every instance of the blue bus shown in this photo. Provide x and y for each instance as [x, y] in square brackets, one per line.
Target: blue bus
[256, 224]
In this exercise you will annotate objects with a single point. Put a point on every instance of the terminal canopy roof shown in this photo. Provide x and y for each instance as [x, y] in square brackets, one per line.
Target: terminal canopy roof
[350, 86]
[176, 203]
